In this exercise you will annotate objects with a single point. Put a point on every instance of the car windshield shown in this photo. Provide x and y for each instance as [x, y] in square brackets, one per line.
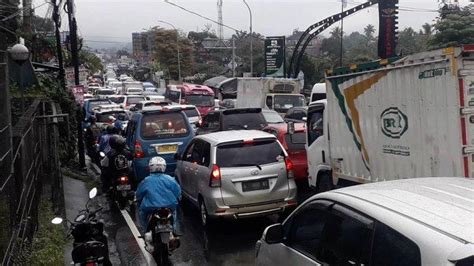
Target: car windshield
[94, 104]
[134, 100]
[191, 112]
[200, 100]
[117, 100]
[296, 141]
[106, 116]
[164, 125]
[105, 92]
[284, 102]
[257, 153]
[273, 117]
[236, 121]
[134, 90]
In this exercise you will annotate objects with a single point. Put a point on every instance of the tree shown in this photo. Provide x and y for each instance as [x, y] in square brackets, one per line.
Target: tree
[454, 28]
[410, 42]
[242, 50]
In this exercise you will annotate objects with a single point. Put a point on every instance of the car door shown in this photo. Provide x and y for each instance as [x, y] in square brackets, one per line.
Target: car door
[183, 169]
[316, 142]
[200, 167]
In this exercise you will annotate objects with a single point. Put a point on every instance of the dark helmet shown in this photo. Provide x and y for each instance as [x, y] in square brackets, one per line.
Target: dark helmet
[117, 142]
[110, 129]
[92, 119]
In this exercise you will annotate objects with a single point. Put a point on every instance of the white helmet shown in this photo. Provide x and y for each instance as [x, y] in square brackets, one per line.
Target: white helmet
[157, 164]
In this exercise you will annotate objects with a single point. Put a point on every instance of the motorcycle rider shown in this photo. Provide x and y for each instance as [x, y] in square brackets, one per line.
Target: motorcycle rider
[91, 137]
[158, 190]
[104, 146]
[115, 162]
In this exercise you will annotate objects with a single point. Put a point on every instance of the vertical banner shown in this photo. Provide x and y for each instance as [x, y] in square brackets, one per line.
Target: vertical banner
[275, 57]
[388, 26]
[78, 92]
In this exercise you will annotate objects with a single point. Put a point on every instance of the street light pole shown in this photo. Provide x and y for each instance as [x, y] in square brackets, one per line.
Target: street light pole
[251, 39]
[177, 45]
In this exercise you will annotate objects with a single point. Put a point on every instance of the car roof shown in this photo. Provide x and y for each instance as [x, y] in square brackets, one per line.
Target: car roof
[234, 135]
[445, 204]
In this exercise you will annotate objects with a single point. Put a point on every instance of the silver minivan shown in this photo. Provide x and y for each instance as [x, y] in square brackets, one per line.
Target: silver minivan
[420, 221]
[238, 174]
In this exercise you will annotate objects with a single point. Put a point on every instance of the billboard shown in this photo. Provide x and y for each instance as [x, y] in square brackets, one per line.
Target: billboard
[275, 61]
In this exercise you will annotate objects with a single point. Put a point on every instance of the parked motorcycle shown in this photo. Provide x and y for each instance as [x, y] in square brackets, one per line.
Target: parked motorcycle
[160, 237]
[90, 245]
[121, 190]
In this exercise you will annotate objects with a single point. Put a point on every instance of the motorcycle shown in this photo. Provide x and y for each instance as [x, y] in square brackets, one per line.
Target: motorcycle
[90, 246]
[121, 190]
[160, 235]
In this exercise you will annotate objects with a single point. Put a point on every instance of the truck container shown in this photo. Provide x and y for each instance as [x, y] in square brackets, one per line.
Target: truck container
[272, 93]
[394, 119]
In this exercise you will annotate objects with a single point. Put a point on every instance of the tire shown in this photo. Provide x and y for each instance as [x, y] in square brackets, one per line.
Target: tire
[161, 254]
[122, 202]
[325, 183]
[204, 217]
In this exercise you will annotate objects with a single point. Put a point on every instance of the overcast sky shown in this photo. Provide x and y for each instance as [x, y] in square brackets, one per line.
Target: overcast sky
[115, 20]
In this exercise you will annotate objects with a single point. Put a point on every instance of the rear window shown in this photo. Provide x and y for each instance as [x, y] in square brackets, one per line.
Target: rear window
[117, 99]
[105, 117]
[258, 153]
[134, 100]
[93, 104]
[105, 92]
[243, 121]
[191, 112]
[296, 141]
[318, 96]
[164, 125]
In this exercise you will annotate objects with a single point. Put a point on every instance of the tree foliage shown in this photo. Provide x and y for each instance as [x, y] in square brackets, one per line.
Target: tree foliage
[454, 27]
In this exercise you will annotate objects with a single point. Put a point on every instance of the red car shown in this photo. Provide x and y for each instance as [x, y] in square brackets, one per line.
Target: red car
[295, 146]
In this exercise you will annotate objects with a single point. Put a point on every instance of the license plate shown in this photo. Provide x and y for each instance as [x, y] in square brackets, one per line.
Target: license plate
[123, 187]
[255, 185]
[167, 148]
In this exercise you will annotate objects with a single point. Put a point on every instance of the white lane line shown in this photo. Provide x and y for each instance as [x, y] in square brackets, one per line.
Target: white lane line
[141, 242]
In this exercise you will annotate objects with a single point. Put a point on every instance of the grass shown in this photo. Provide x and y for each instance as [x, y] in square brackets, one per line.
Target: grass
[47, 247]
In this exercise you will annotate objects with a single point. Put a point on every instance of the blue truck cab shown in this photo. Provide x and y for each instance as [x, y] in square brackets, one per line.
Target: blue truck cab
[157, 131]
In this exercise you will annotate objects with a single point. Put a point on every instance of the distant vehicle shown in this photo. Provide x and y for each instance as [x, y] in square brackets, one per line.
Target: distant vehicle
[272, 117]
[90, 104]
[228, 103]
[294, 144]
[236, 174]
[318, 92]
[422, 221]
[131, 100]
[157, 132]
[134, 91]
[88, 96]
[107, 117]
[131, 84]
[143, 104]
[232, 119]
[198, 95]
[154, 97]
[117, 85]
[118, 99]
[148, 86]
[272, 93]
[192, 113]
[297, 114]
[104, 92]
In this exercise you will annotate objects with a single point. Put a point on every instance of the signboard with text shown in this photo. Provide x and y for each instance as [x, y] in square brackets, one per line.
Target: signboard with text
[70, 76]
[275, 56]
[78, 92]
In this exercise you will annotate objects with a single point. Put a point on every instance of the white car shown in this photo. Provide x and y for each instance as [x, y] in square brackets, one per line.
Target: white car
[134, 91]
[420, 221]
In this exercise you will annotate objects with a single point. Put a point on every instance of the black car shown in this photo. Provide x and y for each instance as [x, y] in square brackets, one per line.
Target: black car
[232, 119]
[296, 114]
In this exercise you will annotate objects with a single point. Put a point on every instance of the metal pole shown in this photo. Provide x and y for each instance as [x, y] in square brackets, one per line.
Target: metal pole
[57, 24]
[233, 57]
[22, 90]
[75, 62]
[342, 33]
[251, 38]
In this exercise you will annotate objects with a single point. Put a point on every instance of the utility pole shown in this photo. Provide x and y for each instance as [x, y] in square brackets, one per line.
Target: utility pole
[75, 62]
[233, 56]
[251, 38]
[343, 4]
[57, 25]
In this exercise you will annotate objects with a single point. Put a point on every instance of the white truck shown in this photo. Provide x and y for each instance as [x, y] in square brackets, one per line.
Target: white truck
[394, 119]
[278, 94]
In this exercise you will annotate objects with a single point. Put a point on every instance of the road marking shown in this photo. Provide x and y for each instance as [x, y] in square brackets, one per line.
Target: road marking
[141, 242]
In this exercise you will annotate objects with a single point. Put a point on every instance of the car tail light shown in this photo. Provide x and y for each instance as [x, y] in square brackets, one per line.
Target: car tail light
[123, 180]
[215, 180]
[289, 168]
[138, 150]
[164, 213]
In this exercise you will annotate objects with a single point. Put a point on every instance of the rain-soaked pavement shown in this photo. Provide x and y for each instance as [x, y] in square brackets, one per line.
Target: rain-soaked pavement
[228, 242]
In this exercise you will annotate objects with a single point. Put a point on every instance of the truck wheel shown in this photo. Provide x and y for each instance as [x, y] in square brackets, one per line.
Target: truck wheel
[324, 183]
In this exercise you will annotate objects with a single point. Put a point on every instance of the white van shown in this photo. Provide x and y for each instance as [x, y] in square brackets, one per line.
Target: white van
[318, 92]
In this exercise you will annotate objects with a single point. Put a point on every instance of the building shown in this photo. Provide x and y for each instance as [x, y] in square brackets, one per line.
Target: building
[142, 43]
[314, 46]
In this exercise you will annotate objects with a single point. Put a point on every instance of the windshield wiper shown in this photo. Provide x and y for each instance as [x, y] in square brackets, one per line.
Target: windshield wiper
[249, 164]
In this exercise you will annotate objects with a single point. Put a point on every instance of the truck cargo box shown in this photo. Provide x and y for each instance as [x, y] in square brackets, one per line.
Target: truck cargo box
[413, 117]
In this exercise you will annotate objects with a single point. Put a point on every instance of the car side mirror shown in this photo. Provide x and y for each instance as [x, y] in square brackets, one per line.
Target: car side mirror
[273, 234]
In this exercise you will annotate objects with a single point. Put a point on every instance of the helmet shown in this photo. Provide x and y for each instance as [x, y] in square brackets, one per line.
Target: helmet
[110, 129]
[157, 164]
[117, 142]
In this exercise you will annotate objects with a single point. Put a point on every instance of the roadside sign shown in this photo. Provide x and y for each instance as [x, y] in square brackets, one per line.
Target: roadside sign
[275, 56]
[78, 92]
[70, 76]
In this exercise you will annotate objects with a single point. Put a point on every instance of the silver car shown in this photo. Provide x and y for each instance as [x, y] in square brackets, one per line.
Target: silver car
[421, 221]
[240, 173]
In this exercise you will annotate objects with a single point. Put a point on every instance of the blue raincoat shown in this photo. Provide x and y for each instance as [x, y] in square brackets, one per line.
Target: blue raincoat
[157, 190]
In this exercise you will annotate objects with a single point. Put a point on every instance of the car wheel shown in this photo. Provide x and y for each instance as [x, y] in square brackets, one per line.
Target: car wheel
[203, 213]
[325, 183]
